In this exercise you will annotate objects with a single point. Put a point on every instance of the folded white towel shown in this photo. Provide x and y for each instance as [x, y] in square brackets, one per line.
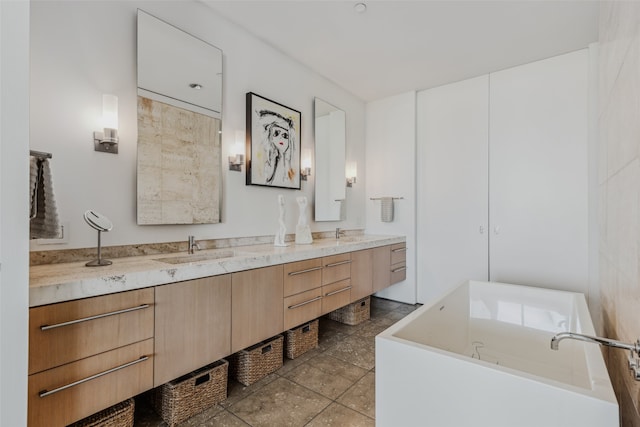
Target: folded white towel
[45, 223]
[386, 209]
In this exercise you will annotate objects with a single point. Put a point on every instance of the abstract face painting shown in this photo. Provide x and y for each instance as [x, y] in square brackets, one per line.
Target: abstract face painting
[273, 143]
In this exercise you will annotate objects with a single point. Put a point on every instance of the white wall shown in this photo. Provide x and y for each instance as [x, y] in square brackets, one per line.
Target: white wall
[14, 270]
[391, 171]
[82, 49]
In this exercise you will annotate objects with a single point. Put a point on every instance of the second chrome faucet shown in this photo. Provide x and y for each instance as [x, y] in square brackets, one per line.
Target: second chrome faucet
[192, 245]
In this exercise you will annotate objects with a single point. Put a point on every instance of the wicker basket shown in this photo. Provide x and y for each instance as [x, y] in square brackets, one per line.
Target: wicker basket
[191, 394]
[354, 313]
[298, 341]
[258, 361]
[118, 415]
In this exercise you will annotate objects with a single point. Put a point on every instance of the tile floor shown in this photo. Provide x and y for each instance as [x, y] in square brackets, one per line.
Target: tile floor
[332, 385]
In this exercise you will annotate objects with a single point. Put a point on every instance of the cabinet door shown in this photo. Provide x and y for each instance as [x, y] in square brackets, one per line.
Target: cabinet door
[302, 307]
[538, 173]
[381, 268]
[193, 326]
[452, 185]
[361, 274]
[257, 300]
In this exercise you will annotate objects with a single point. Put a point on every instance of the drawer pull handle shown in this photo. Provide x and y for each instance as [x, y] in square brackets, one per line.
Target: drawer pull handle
[308, 270]
[45, 393]
[337, 292]
[98, 316]
[395, 270]
[335, 264]
[291, 307]
[399, 250]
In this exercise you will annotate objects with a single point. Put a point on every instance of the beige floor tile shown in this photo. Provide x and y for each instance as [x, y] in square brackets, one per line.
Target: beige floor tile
[361, 397]
[237, 391]
[338, 415]
[326, 375]
[290, 364]
[356, 350]
[280, 403]
[225, 419]
[201, 418]
[384, 304]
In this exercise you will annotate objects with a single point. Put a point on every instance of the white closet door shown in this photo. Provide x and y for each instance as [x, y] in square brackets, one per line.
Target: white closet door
[538, 173]
[452, 185]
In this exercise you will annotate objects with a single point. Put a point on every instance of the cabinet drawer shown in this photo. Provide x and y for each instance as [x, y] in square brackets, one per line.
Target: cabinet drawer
[398, 253]
[82, 388]
[302, 276]
[336, 268]
[336, 295]
[398, 272]
[69, 331]
[302, 307]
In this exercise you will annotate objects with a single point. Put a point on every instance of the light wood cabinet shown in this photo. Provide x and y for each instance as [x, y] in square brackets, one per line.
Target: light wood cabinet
[336, 295]
[86, 355]
[381, 267]
[302, 276]
[398, 268]
[361, 274]
[68, 331]
[336, 268]
[256, 300]
[193, 326]
[302, 307]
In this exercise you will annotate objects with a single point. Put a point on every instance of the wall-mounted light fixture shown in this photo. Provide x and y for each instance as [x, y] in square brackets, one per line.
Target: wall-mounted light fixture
[351, 173]
[305, 167]
[107, 140]
[236, 157]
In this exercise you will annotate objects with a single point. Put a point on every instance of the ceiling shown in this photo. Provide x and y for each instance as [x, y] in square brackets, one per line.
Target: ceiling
[398, 46]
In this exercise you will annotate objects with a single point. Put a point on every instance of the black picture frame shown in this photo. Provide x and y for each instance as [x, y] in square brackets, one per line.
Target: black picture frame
[273, 136]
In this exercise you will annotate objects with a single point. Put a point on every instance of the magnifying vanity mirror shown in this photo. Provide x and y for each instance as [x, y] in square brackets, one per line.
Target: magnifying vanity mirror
[330, 151]
[179, 125]
[101, 223]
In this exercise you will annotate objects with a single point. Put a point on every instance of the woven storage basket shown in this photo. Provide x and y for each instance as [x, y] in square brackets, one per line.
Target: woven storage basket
[301, 339]
[182, 398]
[354, 313]
[118, 415]
[258, 361]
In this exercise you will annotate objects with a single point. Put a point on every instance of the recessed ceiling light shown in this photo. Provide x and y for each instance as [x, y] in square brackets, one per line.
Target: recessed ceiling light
[360, 7]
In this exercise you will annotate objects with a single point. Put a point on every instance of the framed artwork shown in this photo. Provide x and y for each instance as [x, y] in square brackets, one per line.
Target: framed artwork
[273, 143]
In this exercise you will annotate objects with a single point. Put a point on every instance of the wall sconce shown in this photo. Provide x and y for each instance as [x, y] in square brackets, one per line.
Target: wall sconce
[305, 167]
[107, 141]
[351, 173]
[236, 159]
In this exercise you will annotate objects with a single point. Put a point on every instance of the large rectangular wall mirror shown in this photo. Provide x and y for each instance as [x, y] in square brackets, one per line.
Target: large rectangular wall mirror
[179, 124]
[330, 150]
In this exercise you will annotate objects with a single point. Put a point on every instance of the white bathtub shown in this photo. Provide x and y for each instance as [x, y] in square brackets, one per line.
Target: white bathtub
[481, 356]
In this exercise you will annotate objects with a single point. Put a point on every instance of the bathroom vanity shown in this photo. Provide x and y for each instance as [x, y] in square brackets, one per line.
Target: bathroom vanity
[100, 336]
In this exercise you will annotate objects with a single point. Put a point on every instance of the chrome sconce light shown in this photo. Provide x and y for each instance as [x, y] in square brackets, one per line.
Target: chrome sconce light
[236, 159]
[305, 167]
[351, 173]
[107, 140]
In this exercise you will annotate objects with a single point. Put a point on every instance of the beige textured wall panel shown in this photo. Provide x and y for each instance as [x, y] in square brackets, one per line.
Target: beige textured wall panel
[178, 165]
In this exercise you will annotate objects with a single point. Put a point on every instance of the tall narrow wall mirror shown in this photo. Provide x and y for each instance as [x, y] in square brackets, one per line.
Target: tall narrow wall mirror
[330, 149]
[179, 125]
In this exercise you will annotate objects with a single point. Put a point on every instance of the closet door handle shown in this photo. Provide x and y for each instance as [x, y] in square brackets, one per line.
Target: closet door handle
[97, 316]
[294, 273]
[291, 307]
[337, 292]
[335, 264]
[45, 393]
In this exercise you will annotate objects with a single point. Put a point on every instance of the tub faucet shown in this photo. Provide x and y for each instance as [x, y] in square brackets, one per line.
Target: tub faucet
[192, 245]
[555, 341]
[339, 233]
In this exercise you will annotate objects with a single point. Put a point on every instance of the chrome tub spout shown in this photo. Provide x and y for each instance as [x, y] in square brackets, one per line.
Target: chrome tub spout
[555, 341]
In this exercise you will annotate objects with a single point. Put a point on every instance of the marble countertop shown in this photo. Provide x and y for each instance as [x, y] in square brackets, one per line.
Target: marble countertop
[53, 283]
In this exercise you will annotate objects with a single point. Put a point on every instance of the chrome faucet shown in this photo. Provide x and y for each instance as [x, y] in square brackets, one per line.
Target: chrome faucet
[192, 245]
[339, 233]
[635, 347]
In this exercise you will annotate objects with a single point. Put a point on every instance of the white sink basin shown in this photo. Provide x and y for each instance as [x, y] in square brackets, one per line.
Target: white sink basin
[184, 259]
